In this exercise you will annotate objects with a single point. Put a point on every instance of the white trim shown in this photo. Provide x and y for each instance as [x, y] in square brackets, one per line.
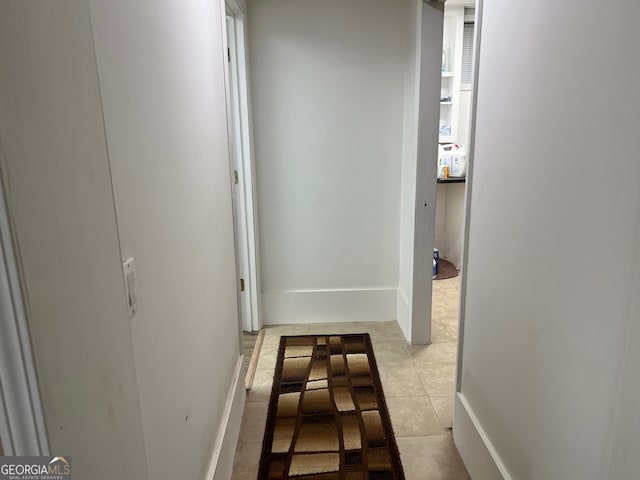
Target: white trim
[324, 290]
[404, 313]
[327, 306]
[478, 453]
[468, 191]
[425, 178]
[22, 426]
[237, 189]
[224, 450]
[245, 165]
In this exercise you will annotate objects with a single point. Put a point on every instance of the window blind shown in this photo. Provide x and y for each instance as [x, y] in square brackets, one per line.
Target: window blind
[467, 54]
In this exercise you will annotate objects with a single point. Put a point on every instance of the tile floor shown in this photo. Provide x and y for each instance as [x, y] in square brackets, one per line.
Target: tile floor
[418, 384]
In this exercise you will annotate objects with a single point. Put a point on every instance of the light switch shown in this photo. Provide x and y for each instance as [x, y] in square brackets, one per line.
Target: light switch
[129, 268]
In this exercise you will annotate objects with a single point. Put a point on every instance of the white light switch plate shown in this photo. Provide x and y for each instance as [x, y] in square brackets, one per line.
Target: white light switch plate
[129, 269]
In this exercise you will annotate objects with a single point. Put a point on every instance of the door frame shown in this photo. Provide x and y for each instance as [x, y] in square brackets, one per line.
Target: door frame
[421, 317]
[243, 165]
[477, 41]
[22, 425]
[432, 23]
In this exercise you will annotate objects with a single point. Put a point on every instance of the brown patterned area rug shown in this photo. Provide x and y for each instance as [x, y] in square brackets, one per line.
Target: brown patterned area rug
[327, 416]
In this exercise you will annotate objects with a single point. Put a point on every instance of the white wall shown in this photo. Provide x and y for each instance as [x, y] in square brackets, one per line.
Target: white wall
[327, 83]
[56, 174]
[162, 82]
[553, 245]
[454, 222]
[440, 240]
[449, 238]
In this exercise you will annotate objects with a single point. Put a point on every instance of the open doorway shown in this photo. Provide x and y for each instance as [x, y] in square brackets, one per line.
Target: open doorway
[244, 198]
[243, 170]
[454, 139]
[435, 207]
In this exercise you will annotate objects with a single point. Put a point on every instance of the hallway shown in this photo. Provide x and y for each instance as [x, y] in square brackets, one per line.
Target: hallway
[120, 130]
[418, 383]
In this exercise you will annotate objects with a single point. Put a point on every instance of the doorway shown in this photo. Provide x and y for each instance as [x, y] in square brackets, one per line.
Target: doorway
[438, 209]
[243, 168]
[461, 45]
[243, 188]
[454, 139]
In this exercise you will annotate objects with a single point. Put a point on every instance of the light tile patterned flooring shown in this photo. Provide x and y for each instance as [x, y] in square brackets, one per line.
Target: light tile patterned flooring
[418, 384]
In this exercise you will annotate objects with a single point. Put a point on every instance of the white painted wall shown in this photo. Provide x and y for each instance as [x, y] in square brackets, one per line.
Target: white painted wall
[327, 83]
[552, 267]
[441, 219]
[454, 222]
[161, 67]
[153, 394]
[56, 174]
[449, 238]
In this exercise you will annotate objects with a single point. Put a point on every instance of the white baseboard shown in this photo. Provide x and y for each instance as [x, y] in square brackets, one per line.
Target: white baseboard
[221, 464]
[403, 313]
[475, 447]
[324, 306]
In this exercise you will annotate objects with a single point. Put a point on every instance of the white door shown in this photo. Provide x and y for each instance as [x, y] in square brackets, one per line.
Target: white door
[240, 145]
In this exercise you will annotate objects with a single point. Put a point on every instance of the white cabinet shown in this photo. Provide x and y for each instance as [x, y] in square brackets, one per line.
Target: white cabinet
[451, 73]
